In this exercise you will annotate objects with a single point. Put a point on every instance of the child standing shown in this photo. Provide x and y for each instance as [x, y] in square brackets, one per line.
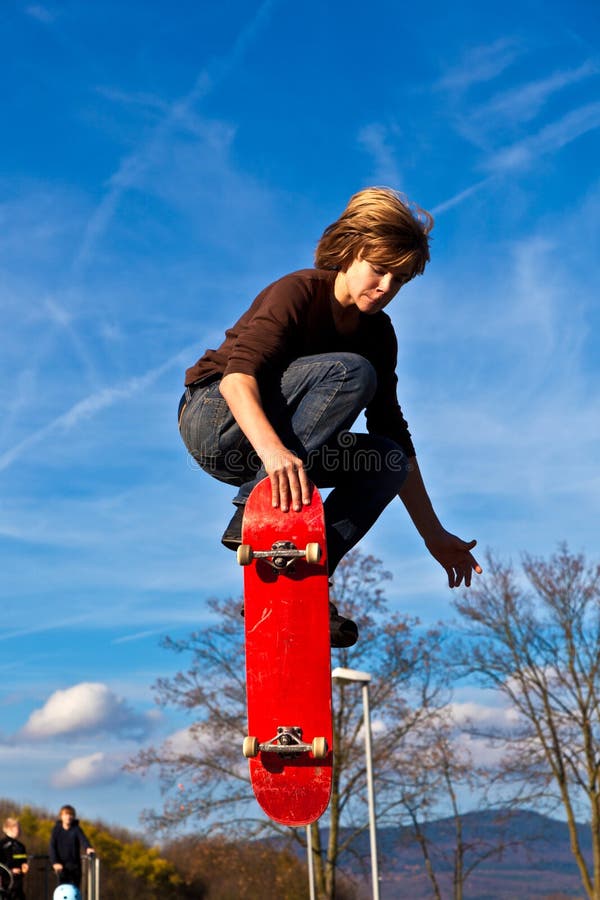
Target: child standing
[14, 856]
[67, 844]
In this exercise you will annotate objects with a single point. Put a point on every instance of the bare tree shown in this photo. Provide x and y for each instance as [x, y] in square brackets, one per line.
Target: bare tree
[203, 775]
[537, 641]
[408, 684]
[435, 770]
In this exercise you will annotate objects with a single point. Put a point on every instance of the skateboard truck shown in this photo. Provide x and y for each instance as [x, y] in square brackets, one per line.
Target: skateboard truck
[281, 555]
[287, 742]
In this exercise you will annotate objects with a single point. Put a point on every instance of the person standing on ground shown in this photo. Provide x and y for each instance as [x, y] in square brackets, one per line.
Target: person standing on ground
[68, 843]
[13, 855]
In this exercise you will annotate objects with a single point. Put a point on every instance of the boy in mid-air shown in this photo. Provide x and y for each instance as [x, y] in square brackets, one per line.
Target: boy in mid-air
[313, 351]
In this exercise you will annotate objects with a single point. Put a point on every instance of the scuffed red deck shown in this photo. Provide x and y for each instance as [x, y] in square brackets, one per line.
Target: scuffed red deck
[288, 660]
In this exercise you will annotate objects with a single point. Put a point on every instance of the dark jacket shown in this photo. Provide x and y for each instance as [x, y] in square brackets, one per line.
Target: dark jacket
[68, 844]
[12, 855]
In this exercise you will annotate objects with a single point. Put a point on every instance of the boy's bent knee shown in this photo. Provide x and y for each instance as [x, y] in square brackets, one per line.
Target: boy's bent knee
[359, 371]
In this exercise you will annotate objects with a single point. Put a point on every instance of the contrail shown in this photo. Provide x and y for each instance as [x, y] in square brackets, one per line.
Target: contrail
[458, 198]
[130, 169]
[92, 404]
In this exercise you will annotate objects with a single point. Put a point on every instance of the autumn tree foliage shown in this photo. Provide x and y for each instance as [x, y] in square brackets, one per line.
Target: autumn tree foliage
[534, 636]
[184, 868]
[222, 869]
[131, 868]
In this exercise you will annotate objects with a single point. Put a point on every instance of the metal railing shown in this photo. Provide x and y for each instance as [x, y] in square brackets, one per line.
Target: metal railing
[41, 882]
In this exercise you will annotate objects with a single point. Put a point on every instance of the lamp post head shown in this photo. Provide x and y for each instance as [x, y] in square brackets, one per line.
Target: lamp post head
[348, 675]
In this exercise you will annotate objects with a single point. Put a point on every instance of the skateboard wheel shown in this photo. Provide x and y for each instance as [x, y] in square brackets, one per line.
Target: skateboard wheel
[312, 553]
[319, 747]
[244, 555]
[250, 747]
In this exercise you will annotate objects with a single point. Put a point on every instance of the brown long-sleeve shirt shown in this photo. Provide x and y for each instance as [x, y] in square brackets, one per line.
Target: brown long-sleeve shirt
[296, 316]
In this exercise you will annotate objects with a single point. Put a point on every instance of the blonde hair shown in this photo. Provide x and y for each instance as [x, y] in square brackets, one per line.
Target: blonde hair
[381, 225]
[10, 822]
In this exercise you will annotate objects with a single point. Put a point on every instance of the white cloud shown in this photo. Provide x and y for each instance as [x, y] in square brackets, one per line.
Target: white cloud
[477, 715]
[85, 771]
[85, 708]
[194, 740]
[481, 751]
[185, 741]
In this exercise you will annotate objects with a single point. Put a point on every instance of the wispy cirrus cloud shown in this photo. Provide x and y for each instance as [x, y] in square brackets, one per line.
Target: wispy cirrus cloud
[378, 141]
[506, 411]
[481, 64]
[547, 140]
[488, 122]
[40, 12]
[492, 123]
[178, 115]
[91, 405]
[523, 102]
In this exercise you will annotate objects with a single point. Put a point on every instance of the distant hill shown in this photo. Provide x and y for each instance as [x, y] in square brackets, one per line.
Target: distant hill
[539, 866]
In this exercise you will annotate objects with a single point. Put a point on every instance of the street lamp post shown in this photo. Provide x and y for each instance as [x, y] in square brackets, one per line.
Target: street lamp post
[311, 864]
[346, 676]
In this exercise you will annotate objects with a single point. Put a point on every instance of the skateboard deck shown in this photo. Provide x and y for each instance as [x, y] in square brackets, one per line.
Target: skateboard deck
[288, 658]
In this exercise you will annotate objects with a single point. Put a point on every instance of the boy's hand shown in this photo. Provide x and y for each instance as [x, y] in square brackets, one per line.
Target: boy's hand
[290, 485]
[454, 555]
[57, 867]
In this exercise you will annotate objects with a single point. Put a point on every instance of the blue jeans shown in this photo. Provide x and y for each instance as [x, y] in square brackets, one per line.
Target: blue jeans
[311, 408]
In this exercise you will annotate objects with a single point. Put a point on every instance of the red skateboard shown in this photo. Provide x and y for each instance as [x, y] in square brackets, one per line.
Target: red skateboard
[288, 658]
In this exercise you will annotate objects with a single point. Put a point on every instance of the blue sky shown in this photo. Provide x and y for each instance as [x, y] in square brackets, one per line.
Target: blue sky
[160, 164]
